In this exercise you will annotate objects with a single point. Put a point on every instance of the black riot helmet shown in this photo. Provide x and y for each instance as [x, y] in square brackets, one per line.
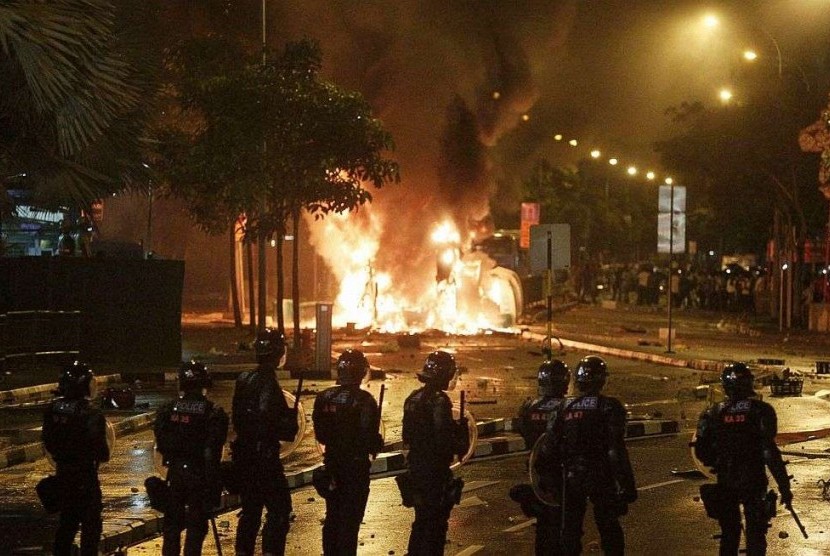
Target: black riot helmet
[193, 376]
[554, 377]
[737, 380]
[439, 369]
[591, 373]
[351, 367]
[76, 381]
[269, 346]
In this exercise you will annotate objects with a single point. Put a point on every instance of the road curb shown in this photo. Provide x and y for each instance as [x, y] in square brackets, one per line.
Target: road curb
[32, 452]
[697, 364]
[30, 393]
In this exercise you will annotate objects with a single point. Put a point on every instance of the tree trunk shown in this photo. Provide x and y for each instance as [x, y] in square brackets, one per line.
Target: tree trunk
[280, 280]
[237, 315]
[295, 275]
[262, 290]
[249, 251]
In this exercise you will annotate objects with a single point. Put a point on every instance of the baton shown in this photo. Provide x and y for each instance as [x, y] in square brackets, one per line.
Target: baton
[216, 536]
[461, 408]
[797, 521]
[297, 397]
[380, 401]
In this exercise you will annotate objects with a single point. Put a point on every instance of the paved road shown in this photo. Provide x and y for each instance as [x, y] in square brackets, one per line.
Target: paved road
[500, 374]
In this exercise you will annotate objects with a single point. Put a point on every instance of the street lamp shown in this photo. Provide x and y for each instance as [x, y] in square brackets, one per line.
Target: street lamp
[595, 153]
[725, 95]
[650, 175]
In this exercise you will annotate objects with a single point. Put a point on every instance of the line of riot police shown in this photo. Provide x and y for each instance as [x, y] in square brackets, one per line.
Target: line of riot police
[578, 455]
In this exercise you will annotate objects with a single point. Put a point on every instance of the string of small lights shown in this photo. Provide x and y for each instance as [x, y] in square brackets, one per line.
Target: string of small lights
[630, 169]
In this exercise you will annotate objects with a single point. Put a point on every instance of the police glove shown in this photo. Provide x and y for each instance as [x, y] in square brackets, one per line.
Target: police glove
[786, 497]
[628, 496]
[288, 427]
[376, 444]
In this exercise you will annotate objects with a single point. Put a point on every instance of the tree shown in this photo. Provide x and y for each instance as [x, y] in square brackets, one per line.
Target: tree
[270, 140]
[79, 78]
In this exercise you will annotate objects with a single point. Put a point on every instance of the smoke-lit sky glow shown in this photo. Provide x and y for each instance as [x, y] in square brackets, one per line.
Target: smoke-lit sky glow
[473, 92]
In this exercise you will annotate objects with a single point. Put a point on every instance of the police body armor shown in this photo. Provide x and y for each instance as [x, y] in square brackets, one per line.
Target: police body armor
[735, 437]
[75, 434]
[346, 423]
[261, 416]
[433, 437]
[184, 432]
[586, 439]
[534, 417]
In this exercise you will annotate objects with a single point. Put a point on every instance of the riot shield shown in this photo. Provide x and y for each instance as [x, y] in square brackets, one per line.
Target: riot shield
[547, 497]
[110, 444]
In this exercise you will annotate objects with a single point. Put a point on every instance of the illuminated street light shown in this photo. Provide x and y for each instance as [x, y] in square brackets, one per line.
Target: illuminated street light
[649, 175]
[669, 181]
[558, 137]
[572, 142]
[632, 171]
[750, 55]
[525, 117]
[725, 95]
[613, 162]
[595, 153]
[710, 21]
[496, 95]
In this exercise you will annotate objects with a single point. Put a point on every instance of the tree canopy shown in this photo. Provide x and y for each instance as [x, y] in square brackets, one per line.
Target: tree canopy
[79, 78]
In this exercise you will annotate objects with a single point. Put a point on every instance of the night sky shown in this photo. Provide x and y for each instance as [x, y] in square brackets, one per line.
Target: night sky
[601, 71]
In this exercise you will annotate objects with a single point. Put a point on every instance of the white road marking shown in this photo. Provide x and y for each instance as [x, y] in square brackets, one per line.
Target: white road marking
[471, 501]
[664, 483]
[470, 550]
[475, 485]
[520, 526]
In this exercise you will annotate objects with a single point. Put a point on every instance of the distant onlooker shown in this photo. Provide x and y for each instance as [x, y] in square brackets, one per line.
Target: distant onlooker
[66, 241]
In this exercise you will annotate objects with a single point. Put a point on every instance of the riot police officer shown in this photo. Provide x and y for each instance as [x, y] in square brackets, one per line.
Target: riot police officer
[434, 439]
[553, 379]
[75, 435]
[261, 419]
[346, 420]
[584, 454]
[736, 438]
[190, 432]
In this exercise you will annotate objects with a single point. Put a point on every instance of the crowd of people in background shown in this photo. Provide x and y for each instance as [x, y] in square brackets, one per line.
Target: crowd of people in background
[733, 289]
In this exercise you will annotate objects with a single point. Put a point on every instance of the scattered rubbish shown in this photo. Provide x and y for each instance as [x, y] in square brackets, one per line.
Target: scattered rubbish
[825, 489]
[783, 534]
[688, 474]
[642, 342]
[225, 524]
[310, 499]
[133, 490]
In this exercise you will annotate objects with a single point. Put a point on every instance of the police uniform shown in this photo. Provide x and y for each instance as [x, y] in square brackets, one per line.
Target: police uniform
[737, 439]
[190, 432]
[532, 423]
[346, 421]
[586, 445]
[434, 439]
[261, 418]
[75, 434]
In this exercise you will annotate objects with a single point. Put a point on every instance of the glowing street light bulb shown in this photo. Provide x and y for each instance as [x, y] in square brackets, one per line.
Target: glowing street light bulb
[572, 142]
[496, 95]
[613, 162]
[558, 137]
[649, 175]
[725, 95]
[710, 21]
[632, 171]
[669, 181]
[525, 117]
[595, 153]
[750, 55]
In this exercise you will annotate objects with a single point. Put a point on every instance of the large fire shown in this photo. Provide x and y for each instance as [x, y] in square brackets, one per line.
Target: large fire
[465, 294]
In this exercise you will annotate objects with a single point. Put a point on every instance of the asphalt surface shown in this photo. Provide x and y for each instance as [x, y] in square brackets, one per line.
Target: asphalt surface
[500, 374]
